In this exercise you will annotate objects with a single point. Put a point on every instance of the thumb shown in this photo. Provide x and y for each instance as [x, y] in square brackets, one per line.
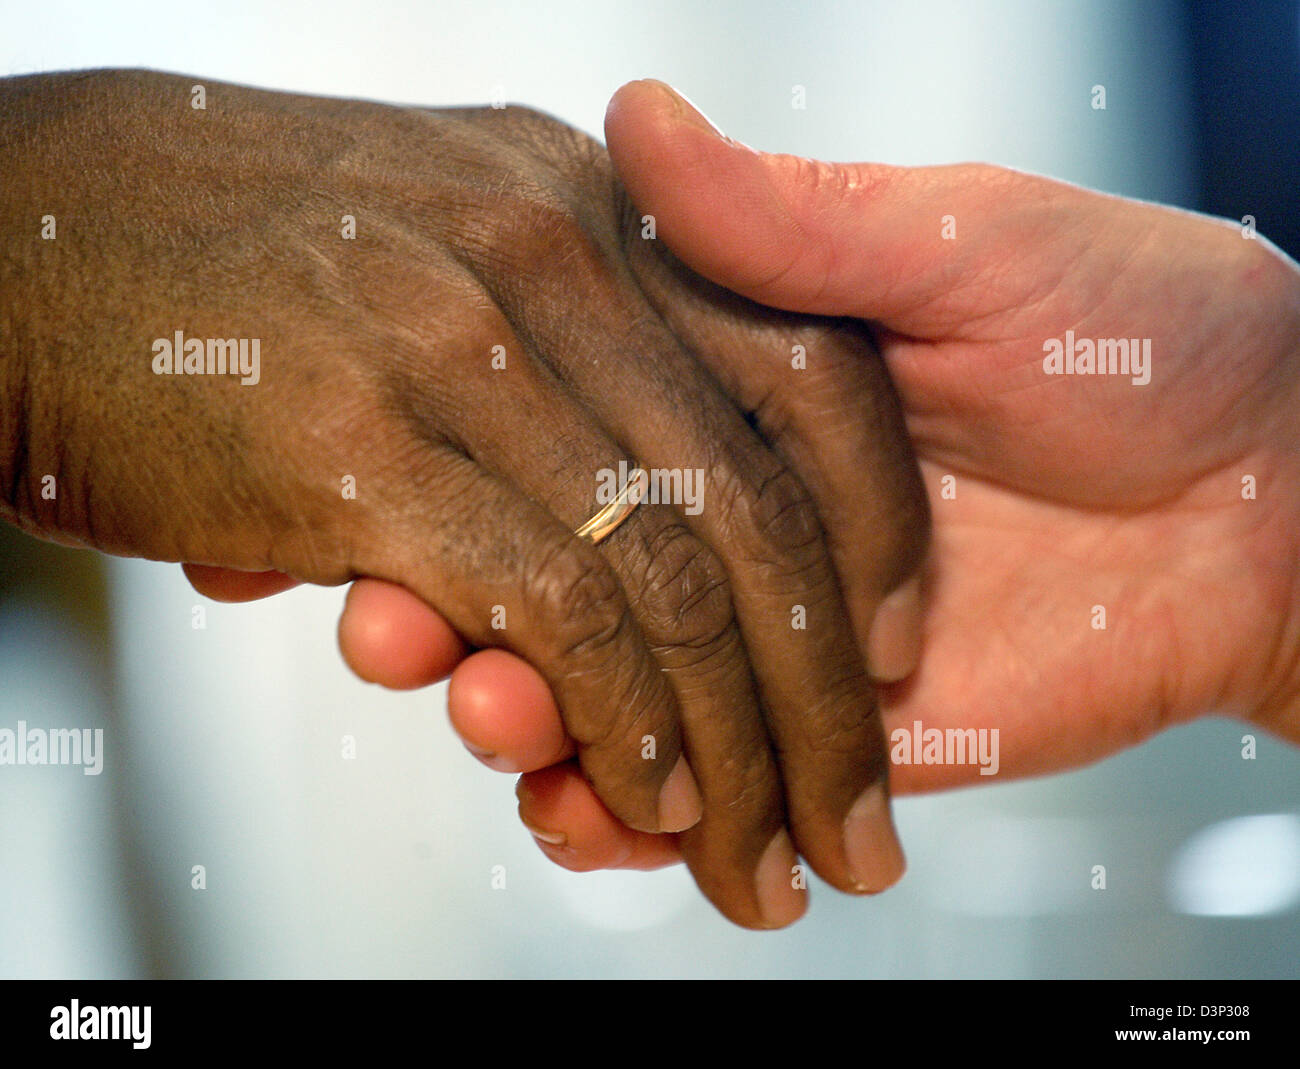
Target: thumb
[857, 239]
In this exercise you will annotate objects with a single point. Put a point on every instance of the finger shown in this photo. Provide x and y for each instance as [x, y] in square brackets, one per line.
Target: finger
[505, 714]
[858, 239]
[501, 707]
[844, 434]
[758, 517]
[226, 584]
[388, 636]
[499, 704]
[681, 604]
[572, 828]
[502, 571]
[825, 401]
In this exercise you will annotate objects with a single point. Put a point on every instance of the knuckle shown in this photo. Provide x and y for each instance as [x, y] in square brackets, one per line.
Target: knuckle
[838, 738]
[612, 736]
[593, 634]
[839, 730]
[540, 210]
[542, 135]
[526, 219]
[751, 788]
[784, 515]
[684, 591]
[579, 598]
[540, 231]
[821, 178]
[853, 368]
[777, 518]
[523, 214]
[310, 553]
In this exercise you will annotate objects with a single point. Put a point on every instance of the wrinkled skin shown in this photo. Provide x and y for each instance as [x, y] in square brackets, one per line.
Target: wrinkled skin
[385, 440]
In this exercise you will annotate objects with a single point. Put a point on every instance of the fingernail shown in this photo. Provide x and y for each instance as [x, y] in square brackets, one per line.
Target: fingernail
[493, 761]
[564, 856]
[554, 838]
[688, 112]
[874, 852]
[680, 806]
[894, 642]
[779, 899]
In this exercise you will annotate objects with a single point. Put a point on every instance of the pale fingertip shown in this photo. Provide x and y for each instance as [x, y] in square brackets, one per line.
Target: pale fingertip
[894, 642]
[680, 804]
[875, 855]
[551, 838]
[496, 762]
[779, 884]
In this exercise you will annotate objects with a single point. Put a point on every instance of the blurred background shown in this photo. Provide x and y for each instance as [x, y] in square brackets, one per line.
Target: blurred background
[224, 745]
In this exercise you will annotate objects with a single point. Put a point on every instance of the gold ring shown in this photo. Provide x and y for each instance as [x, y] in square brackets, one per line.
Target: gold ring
[607, 520]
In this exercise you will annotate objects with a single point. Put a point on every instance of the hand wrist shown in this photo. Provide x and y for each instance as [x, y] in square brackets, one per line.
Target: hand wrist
[42, 287]
[19, 232]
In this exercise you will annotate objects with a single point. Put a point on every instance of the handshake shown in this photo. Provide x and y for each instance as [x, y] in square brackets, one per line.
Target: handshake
[735, 492]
